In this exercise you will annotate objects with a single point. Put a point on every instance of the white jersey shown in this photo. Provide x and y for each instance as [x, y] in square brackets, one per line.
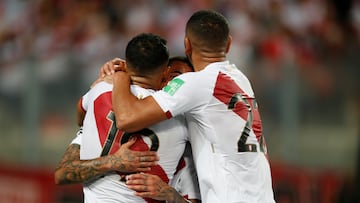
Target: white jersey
[185, 180]
[225, 133]
[101, 137]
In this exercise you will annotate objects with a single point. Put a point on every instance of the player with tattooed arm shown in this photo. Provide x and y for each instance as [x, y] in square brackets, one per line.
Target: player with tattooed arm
[101, 139]
[221, 112]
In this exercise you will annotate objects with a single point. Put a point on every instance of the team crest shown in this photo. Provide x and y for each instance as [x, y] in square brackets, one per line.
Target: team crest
[173, 86]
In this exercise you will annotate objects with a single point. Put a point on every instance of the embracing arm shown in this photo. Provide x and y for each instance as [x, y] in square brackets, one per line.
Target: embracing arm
[131, 113]
[151, 186]
[73, 170]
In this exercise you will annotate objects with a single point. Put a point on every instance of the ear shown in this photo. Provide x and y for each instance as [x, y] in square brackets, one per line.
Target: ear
[166, 72]
[187, 45]
[125, 67]
[165, 76]
[228, 45]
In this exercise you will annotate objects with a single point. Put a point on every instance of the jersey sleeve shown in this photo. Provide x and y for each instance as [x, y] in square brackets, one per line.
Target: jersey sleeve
[78, 138]
[182, 94]
[84, 101]
[90, 95]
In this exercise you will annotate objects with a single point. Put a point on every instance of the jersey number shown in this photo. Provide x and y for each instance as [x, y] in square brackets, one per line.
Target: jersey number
[242, 147]
[113, 132]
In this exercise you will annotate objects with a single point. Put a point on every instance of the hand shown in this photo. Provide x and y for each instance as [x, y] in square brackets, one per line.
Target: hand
[111, 67]
[108, 69]
[121, 76]
[109, 79]
[127, 160]
[149, 186]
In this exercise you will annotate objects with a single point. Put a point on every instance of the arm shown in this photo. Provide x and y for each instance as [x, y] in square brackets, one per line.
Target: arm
[80, 113]
[73, 170]
[151, 186]
[131, 113]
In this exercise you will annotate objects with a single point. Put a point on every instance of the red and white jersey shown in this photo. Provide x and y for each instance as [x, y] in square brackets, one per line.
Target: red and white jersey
[225, 132]
[185, 180]
[108, 188]
[101, 137]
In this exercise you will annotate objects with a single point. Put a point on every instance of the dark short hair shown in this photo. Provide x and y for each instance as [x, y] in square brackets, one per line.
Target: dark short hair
[209, 28]
[146, 53]
[183, 59]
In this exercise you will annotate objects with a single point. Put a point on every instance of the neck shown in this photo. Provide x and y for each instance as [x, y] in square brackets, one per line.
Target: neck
[144, 82]
[201, 60]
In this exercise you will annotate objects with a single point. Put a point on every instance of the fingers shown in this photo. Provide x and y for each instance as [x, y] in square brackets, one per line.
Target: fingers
[142, 156]
[108, 79]
[141, 176]
[117, 61]
[106, 69]
[147, 161]
[112, 66]
[130, 142]
[119, 64]
[138, 181]
[146, 156]
[146, 185]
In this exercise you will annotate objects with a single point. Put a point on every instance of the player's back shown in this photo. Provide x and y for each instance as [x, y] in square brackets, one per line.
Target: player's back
[239, 169]
[101, 137]
[225, 132]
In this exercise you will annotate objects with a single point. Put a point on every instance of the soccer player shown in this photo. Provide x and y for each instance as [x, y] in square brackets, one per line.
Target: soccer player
[185, 180]
[221, 112]
[146, 60]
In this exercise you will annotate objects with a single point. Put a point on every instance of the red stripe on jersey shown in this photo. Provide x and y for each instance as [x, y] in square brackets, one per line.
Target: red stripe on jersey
[180, 165]
[168, 114]
[186, 197]
[257, 125]
[225, 89]
[102, 108]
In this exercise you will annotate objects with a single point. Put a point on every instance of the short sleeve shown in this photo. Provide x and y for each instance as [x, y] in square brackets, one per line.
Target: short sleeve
[78, 138]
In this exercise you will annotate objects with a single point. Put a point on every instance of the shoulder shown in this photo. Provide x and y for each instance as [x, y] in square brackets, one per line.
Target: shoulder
[101, 86]
[140, 92]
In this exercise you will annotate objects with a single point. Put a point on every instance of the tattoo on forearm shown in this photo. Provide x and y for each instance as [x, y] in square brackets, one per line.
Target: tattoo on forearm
[74, 170]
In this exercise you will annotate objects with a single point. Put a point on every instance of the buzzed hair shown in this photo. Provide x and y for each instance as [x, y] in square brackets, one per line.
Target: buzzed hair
[146, 53]
[208, 28]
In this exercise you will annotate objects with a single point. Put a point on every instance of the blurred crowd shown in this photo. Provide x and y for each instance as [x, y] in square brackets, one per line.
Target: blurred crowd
[62, 43]
[307, 49]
